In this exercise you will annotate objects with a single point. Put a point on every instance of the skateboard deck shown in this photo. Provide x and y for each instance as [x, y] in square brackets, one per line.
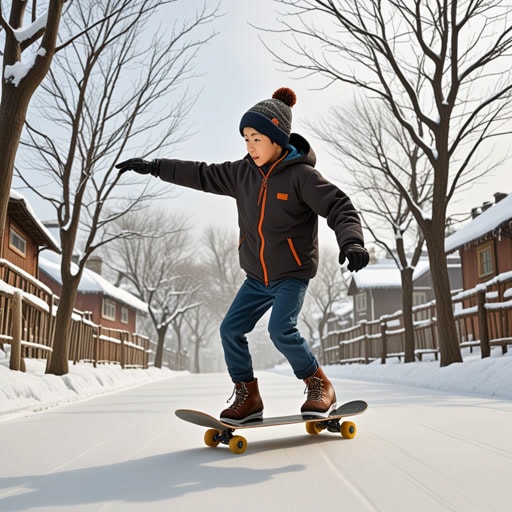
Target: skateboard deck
[222, 431]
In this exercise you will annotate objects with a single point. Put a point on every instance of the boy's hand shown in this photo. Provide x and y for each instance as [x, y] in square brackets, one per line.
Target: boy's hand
[139, 165]
[356, 255]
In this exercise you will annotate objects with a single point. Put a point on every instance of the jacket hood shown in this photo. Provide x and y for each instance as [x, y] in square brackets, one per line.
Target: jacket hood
[304, 148]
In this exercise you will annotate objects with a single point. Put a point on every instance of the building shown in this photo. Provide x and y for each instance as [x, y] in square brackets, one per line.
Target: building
[485, 243]
[377, 289]
[110, 306]
[25, 236]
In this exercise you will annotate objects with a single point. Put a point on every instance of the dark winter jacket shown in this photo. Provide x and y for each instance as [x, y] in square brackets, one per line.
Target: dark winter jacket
[277, 209]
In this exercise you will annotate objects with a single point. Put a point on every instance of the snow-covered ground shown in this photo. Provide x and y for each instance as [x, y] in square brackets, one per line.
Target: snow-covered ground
[107, 439]
[33, 391]
[22, 394]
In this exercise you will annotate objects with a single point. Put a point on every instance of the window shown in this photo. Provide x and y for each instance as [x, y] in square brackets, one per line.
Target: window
[124, 315]
[361, 302]
[419, 298]
[17, 242]
[109, 309]
[485, 260]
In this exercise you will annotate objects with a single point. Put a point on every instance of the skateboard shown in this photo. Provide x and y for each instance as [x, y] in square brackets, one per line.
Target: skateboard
[223, 432]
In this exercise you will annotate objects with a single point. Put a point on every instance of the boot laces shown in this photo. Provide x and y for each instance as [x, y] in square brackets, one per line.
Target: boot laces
[240, 393]
[314, 388]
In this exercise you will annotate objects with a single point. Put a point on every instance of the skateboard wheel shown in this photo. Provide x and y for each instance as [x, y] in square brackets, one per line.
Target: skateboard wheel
[314, 427]
[238, 444]
[211, 438]
[348, 429]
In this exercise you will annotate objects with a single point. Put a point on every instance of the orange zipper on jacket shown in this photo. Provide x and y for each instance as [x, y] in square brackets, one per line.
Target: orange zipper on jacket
[262, 201]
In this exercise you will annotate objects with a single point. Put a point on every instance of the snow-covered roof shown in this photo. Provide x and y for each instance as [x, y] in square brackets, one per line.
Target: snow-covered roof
[486, 222]
[384, 274]
[92, 282]
[32, 224]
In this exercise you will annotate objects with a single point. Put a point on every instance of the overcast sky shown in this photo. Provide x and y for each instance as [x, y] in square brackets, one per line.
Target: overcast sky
[235, 71]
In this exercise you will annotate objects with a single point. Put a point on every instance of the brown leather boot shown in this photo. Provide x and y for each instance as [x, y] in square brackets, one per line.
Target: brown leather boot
[321, 399]
[247, 405]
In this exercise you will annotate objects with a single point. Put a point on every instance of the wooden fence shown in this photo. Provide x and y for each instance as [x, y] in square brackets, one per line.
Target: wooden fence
[483, 318]
[89, 342]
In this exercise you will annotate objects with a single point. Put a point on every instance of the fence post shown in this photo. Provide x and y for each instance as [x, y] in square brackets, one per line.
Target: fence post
[96, 346]
[15, 360]
[433, 326]
[123, 355]
[483, 326]
[384, 342]
[365, 342]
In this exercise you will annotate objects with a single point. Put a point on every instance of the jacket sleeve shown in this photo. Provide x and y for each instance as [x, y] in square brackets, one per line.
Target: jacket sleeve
[214, 178]
[328, 201]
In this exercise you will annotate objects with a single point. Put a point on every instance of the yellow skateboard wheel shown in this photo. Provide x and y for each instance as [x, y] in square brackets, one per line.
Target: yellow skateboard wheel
[211, 438]
[238, 444]
[348, 429]
[314, 427]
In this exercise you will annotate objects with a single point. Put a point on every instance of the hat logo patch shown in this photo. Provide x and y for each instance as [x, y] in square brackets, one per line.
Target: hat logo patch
[275, 121]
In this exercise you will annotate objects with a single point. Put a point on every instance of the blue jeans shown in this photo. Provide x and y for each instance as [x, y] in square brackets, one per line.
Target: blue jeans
[252, 301]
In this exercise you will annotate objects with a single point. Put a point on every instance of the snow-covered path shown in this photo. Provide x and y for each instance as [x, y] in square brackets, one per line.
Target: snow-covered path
[416, 450]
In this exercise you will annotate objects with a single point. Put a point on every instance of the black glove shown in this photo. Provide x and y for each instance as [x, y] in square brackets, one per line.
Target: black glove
[356, 255]
[141, 166]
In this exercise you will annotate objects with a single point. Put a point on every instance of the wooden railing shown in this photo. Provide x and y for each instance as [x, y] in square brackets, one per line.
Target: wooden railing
[89, 342]
[483, 318]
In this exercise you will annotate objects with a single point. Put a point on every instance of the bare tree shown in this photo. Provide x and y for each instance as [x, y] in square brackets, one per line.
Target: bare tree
[443, 70]
[30, 43]
[202, 322]
[101, 87]
[26, 57]
[325, 293]
[221, 257]
[376, 151]
[153, 264]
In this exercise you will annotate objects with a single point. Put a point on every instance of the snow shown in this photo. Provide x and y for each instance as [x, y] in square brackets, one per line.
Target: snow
[91, 282]
[22, 34]
[23, 394]
[107, 439]
[32, 391]
[486, 222]
[19, 70]
[385, 274]
[14, 194]
[16, 72]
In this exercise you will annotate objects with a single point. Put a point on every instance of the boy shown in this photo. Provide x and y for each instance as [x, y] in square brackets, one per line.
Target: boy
[279, 195]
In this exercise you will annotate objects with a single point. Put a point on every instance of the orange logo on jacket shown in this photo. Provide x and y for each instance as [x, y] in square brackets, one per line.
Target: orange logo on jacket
[282, 196]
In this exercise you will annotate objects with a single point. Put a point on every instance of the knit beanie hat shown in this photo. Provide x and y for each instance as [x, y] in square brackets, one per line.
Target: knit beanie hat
[272, 117]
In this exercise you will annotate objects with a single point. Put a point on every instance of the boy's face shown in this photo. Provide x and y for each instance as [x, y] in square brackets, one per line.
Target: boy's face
[261, 149]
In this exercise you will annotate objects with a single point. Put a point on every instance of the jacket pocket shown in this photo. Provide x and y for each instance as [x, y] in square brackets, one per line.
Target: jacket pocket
[294, 252]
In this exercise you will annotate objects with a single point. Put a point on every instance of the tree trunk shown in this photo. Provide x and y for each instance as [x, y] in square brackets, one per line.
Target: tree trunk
[13, 109]
[16, 98]
[58, 363]
[197, 344]
[160, 347]
[407, 294]
[449, 347]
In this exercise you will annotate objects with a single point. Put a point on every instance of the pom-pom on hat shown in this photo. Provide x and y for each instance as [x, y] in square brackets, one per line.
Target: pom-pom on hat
[272, 117]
